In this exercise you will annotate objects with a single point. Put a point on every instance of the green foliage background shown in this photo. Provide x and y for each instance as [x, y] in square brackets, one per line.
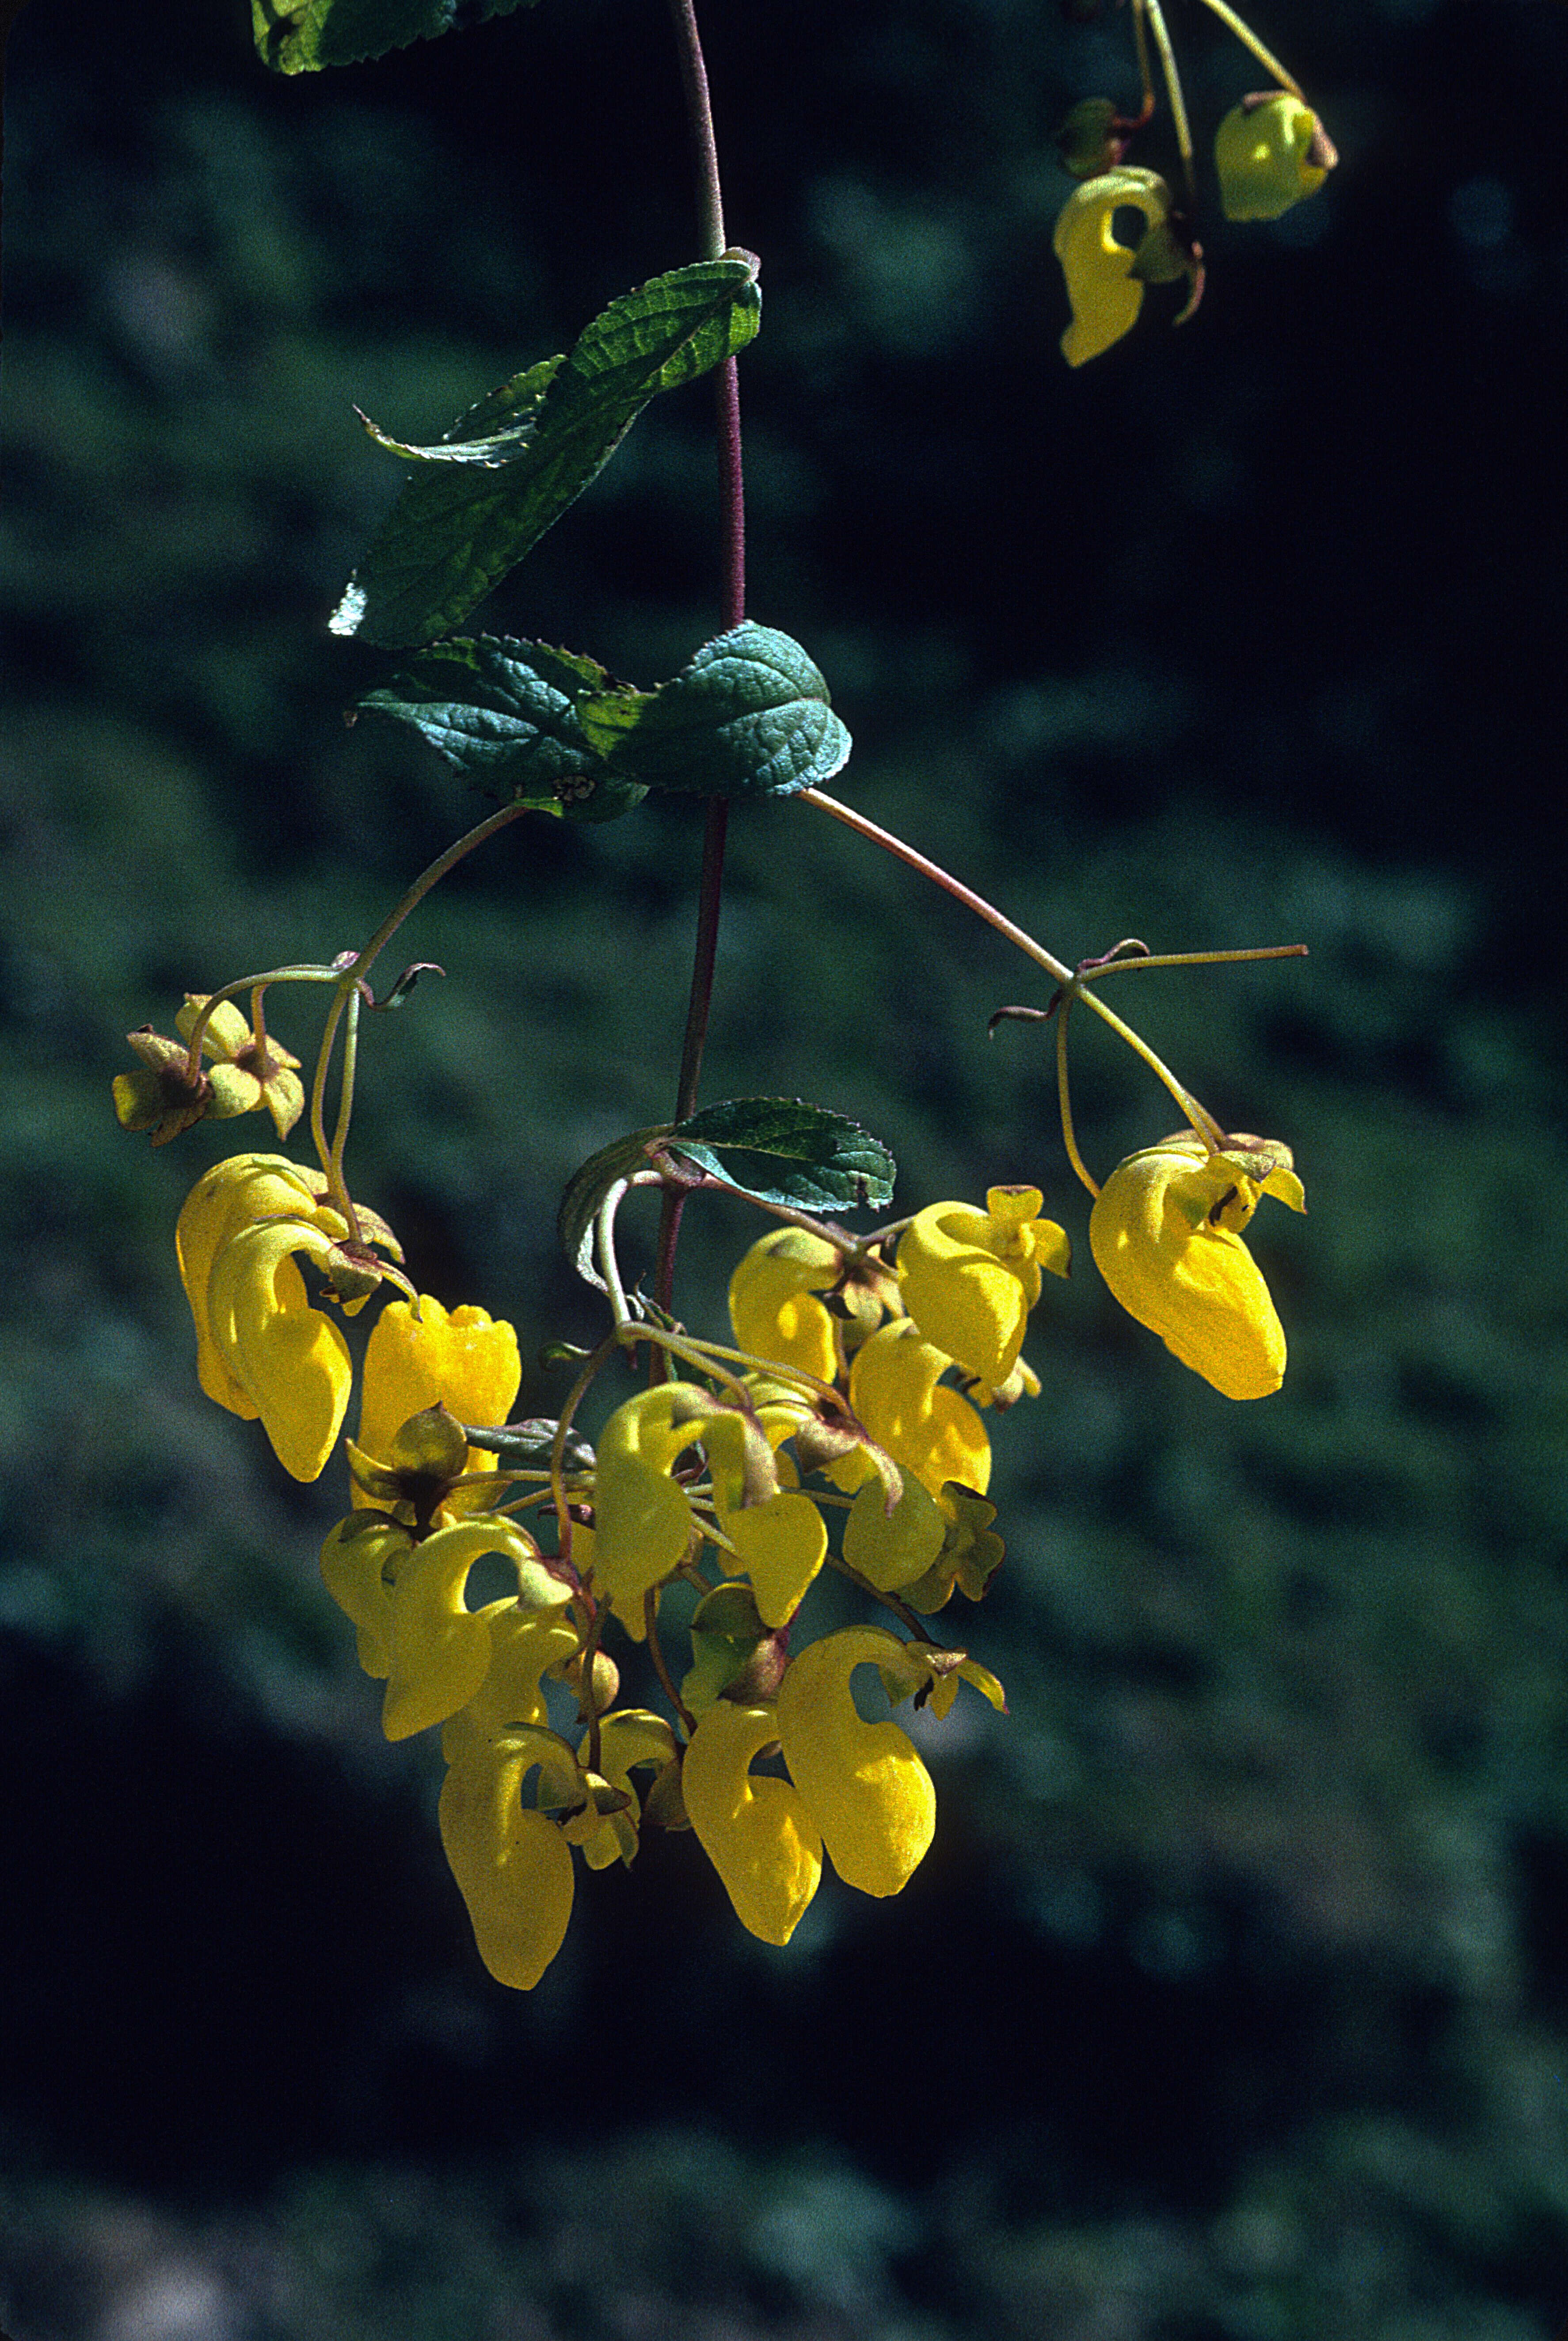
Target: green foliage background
[1232, 2002]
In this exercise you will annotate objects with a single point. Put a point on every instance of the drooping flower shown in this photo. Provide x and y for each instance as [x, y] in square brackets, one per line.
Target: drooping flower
[1270, 151]
[164, 1096]
[643, 1521]
[441, 1649]
[261, 1350]
[1166, 1234]
[775, 1300]
[897, 1390]
[511, 1862]
[756, 1830]
[627, 1737]
[863, 1783]
[1106, 293]
[969, 1278]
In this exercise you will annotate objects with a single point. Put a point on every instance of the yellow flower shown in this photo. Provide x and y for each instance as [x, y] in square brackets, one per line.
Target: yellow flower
[164, 1096]
[897, 1390]
[261, 1350]
[510, 1860]
[525, 1643]
[234, 1193]
[774, 1303]
[863, 1783]
[755, 1831]
[258, 1072]
[643, 1521]
[1165, 1236]
[1104, 294]
[441, 1649]
[627, 1737]
[461, 1359]
[969, 1278]
[1270, 151]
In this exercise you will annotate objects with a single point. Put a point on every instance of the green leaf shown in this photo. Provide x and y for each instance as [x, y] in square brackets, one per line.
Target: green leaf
[505, 713]
[513, 464]
[783, 1150]
[317, 33]
[494, 426]
[750, 715]
[588, 1188]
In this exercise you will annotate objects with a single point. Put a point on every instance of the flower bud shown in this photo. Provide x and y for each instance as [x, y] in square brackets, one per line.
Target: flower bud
[1092, 139]
[1270, 151]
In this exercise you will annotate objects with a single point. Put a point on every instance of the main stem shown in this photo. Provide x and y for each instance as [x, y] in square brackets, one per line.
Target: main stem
[731, 488]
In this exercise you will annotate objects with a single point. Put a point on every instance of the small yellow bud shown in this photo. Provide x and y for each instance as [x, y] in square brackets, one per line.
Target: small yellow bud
[1270, 151]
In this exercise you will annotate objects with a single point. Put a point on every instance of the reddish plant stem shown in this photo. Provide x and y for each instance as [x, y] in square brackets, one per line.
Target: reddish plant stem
[732, 498]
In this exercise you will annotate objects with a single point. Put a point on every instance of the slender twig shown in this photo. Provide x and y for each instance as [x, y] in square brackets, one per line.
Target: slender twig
[660, 1665]
[1249, 39]
[1064, 1101]
[1070, 980]
[421, 885]
[1195, 959]
[1173, 92]
[334, 1167]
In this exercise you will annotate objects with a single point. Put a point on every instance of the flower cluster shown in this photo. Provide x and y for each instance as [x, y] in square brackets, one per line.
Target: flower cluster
[843, 1426]
[845, 1384]
[846, 1429]
[1122, 228]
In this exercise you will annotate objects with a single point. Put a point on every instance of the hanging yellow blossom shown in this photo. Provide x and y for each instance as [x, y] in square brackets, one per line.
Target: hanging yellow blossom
[969, 1278]
[1166, 1234]
[1105, 293]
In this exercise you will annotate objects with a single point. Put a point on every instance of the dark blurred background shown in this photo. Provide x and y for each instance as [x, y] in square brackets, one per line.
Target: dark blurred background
[1232, 2004]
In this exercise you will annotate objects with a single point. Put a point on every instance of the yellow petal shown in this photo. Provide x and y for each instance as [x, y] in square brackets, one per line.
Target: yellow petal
[892, 1549]
[235, 1192]
[458, 1359]
[782, 1545]
[757, 1832]
[511, 1864]
[864, 1785]
[524, 1644]
[896, 1390]
[642, 1522]
[291, 1362]
[441, 1649]
[1165, 1236]
[627, 1737]
[355, 1562]
[1106, 298]
[774, 1306]
[969, 1278]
